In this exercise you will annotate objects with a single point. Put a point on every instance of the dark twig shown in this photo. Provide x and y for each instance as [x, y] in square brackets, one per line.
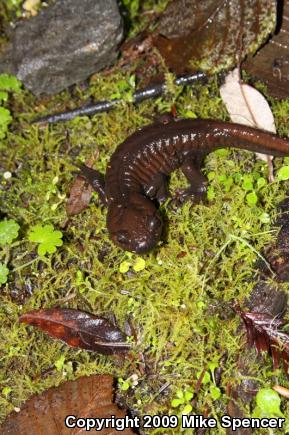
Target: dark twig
[104, 106]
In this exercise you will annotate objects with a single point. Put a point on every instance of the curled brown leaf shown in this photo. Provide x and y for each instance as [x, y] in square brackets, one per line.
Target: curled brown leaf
[79, 329]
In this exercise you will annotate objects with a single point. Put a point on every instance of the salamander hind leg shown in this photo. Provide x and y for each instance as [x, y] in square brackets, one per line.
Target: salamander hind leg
[95, 179]
[196, 192]
[157, 188]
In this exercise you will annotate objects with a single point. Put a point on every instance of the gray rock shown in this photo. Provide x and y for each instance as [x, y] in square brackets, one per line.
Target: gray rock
[64, 44]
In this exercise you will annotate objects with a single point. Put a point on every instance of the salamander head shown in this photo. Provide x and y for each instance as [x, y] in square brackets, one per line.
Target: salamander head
[135, 226]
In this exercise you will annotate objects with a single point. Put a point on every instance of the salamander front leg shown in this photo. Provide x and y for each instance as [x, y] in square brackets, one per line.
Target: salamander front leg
[95, 179]
[157, 188]
[198, 184]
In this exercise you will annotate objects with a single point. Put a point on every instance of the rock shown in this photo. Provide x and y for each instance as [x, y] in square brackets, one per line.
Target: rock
[271, 63]
[211, 35]
[64, 44]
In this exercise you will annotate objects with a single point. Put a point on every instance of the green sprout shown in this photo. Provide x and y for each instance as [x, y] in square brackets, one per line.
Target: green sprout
[126, 384]
[268, 404]
[3, 273]
[123, 384]
[59, 363]
[138, 265]
[283, 173]
[209, 378]
[8, 83]
[14, 7]
[132, 7]
[8, 231]
[5, 120]
[125, 89]
[251, 183]
[252, 199]
[47, 237]
[6, 391]
[3, 96]
[182, 400]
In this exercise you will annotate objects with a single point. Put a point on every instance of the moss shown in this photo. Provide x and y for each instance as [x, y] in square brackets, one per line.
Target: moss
[178, 303]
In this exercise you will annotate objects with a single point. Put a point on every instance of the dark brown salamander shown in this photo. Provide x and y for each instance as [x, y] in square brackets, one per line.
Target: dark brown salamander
[138, 170]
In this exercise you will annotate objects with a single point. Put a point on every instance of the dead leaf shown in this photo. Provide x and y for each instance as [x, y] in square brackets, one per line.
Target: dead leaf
[263, 331]
[87, 397]
[79, 329]
[248, 106]
[80, 192]
[211, 35]
[282, 391]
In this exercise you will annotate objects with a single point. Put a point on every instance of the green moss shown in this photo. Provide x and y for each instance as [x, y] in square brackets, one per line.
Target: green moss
[178, 300]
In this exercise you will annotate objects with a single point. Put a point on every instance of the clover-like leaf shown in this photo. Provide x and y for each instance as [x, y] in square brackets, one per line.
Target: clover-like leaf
[47, 237]
[3, 273]
[139, 264]
[5, 117]
[3, 96]
[283, 173]
[124, 266]
[215, 392]
[9, 83]
[8, 231]
[252, 198]
[268, 403]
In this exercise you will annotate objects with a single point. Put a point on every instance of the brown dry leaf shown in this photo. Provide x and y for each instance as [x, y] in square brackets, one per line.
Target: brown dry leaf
[248, 106]
[79, 329]
[212, 34]
[265, 333]
[282, 391]
[80, 192]
[87, 397]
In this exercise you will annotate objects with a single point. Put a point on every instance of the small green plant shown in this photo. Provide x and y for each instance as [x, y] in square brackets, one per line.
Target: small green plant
[63, 366]
[125, 384]
[5, 120]
[250, 183]
[7, 84]
[182, 400]
[132, 7]
[125, 89]
[283, 173]
[83, 283]
[8, 232]
[47, 237]
[268, 404]
[138, 265]
[14, 7]
[3, 273]
[209, 378]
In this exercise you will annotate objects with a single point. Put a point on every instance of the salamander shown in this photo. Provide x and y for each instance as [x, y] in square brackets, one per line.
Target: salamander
[136, 178]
